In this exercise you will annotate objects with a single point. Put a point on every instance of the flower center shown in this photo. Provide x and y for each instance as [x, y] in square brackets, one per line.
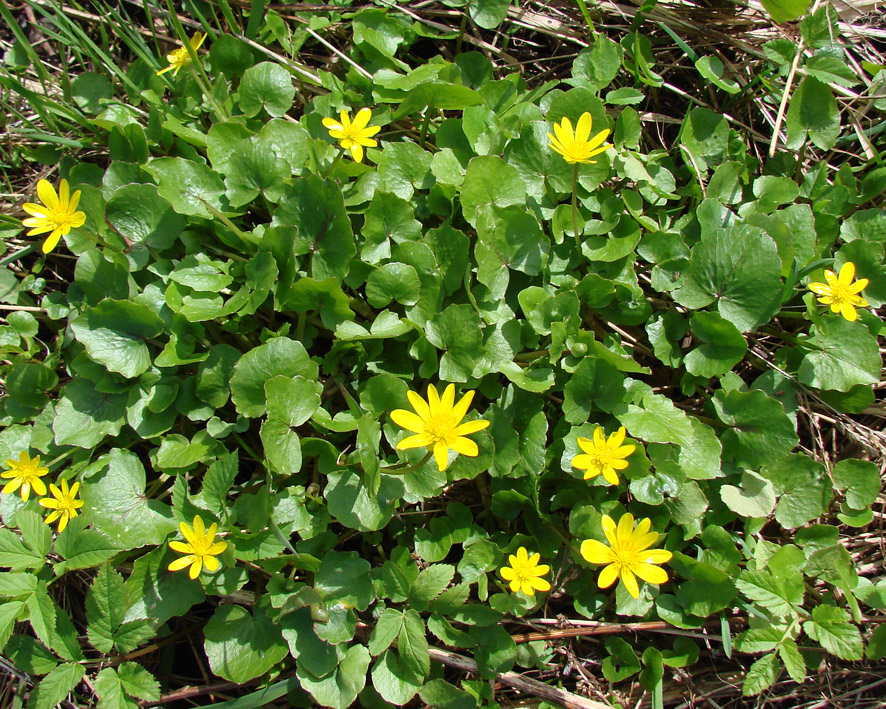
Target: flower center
[840, 294]
[603, 456]
[61, 218]
[441, 426]
[179, 56]
[522, 572]
[352, 133]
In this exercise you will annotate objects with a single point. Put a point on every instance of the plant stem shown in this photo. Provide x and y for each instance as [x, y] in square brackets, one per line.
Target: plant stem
[399, 470]
[15, 256]
[341, 152]
[575, 206]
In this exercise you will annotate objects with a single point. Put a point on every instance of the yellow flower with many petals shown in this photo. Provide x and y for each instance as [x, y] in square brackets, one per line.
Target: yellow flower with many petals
[180, 57]
[628, 555]
[437, 424]
[57, 214]
[524, 572]
[201, 548]
[840, 292]
[65, 505]
[578, 146]
[25, 473]
[603, 455]
[353, 136]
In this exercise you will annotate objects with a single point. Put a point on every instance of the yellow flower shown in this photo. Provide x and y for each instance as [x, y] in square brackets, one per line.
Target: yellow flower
[438, 424]
[200, 549]
[64, 507]
[840, 292]
[353, 136]
[603, 455]
[578, 146]
[25, 473]
[56, 215]
[628, 555]
[180, 57]
[524, 571]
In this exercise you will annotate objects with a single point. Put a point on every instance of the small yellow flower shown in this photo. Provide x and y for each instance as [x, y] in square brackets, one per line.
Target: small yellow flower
[438, 424]
[57, 214]
[524, 572]
[603, 455]
[840, 292]
[180, 57]
[628, 555]
[64, 507]
[201, 549]
[578, 146]
[25, 473]
[353, 136]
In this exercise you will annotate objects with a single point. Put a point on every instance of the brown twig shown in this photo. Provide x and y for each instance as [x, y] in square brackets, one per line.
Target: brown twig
[518, 682]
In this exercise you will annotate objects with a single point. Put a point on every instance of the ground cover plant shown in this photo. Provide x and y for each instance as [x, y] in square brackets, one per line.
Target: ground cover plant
[452, 355]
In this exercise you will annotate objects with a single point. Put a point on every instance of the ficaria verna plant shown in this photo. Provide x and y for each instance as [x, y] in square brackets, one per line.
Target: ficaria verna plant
[571, 346]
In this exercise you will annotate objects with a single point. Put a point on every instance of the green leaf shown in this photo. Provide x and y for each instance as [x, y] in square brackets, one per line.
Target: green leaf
[9, 613]
[240, 646]
[53, 688]
[340, 688]
[755, 497]
[279, 356]
[803, 487]
[739, 269]
[138, 212]
[786, 10]
[776, 595]
[254, 169]
[496, 650]
[327, 296]
[266, 85]
[722, 345]
[843, 354]
[705, 135]
[393, 281]
[344, 577]
[386, 630]
[711, 68]
[413, 645]
[830, 626]
[489, 180]
[389, 217]
[759, 431]
[160, 594]
[351, 504]
[431, 582]
[113, 692]
[16, 555]
[876, 649]
[281, 445]
[313, 654]
[761, 675]
[114, 334]
[596, 66]
[813, 113]
[488, 14]
[315, 207]
[456, 331]
[84, 415]
[621, 662]
[793, 660]
[393, 679]
[188, 186]
[82, 548]
[404, 168]
[115, 498]
[658, 421]
[106, 604]
[859, 480]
